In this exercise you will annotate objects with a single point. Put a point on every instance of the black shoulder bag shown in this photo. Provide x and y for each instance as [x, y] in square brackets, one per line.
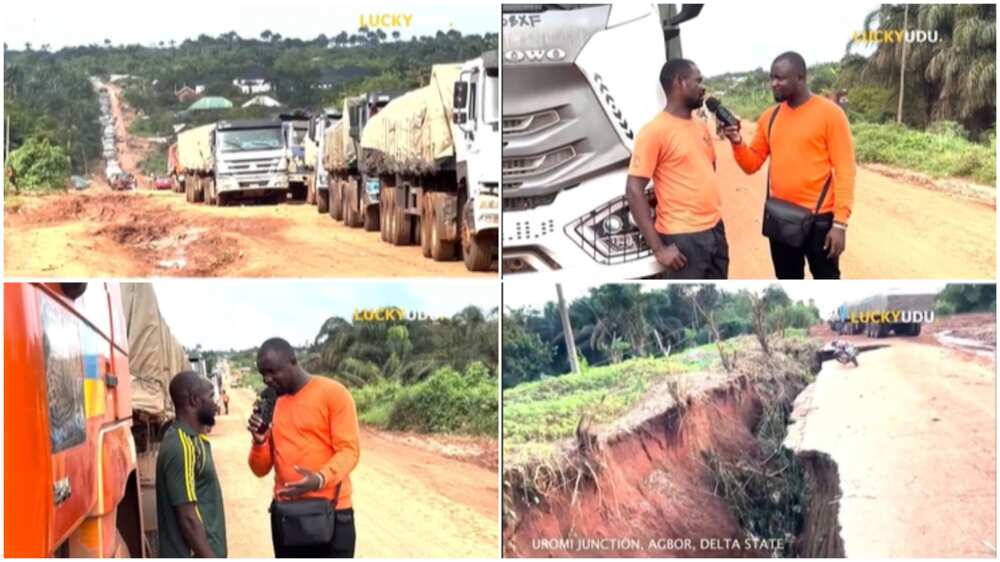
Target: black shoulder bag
[787, 222]
[306, 522]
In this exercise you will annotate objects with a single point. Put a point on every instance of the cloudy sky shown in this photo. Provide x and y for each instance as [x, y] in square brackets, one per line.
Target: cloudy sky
[63, 23]
[224, 314]
[827, 295]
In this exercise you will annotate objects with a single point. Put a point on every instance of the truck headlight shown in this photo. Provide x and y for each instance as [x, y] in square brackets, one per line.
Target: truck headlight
[609, 235]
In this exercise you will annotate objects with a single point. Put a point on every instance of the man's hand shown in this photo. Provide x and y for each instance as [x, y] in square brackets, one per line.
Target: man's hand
[732, 133]
[671, 257]
[311, 481]
[836, 241]
[258, 429]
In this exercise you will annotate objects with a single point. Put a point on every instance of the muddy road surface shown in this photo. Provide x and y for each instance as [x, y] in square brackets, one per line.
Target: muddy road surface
[408, 502]
[157, 234]
[913, 433]
[898, 230]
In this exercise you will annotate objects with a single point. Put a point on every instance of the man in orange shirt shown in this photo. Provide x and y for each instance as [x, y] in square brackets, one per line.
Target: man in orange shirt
[312, 444]
[809, 142]
[677, 152]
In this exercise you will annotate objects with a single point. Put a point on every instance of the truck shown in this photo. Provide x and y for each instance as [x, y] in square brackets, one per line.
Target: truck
[575, 96]
[294, 128]
[907, 313]
[434, 152]
[318, 183]
[233, 159]
[86, 368]
[353, 195]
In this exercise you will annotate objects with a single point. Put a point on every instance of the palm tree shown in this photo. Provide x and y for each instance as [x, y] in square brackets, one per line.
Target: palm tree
[265, 35]
[958, 77]
[395, 35]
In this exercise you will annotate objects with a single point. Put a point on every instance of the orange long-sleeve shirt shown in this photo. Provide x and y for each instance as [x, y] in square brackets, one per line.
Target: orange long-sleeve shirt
[808, 142]
[316, 428]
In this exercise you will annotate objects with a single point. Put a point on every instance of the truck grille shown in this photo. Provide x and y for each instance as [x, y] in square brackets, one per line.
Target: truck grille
[533, 165]
[522, 125]
[254, 171]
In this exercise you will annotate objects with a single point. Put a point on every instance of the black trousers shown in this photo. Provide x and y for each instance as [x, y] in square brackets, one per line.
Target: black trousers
[707, 254]
[342, 545]
[789, 262]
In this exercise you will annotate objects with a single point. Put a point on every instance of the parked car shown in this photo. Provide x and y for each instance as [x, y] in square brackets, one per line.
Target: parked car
[163, 182]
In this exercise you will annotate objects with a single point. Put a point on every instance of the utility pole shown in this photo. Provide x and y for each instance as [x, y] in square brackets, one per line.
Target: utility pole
[567, 332]
[902, 64]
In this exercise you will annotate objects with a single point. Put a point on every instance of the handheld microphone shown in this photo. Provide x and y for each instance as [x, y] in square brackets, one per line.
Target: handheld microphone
[723, 114]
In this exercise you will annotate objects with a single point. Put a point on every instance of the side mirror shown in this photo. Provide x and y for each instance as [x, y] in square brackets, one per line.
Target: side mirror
[458, 116]
[461, 97]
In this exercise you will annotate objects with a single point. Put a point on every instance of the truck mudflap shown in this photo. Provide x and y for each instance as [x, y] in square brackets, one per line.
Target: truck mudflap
[445, 206]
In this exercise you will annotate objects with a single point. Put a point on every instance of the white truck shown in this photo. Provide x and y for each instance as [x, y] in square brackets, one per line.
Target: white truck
[580, 80]
[294, 128]
[318, 183]
[434, 152]
[222, 161]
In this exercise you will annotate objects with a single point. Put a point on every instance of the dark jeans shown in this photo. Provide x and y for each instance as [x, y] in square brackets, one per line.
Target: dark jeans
[342, 545]
[707, 254]
[789, 262]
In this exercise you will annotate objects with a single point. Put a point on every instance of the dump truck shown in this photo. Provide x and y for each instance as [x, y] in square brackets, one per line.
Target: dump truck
[878, 316]
[353, 195]
[223, 161]
[87, 367]
[294, 128]
[434, 152]
[575, 96]
[318, 184]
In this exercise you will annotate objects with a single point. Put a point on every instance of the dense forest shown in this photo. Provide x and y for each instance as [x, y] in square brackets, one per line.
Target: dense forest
[615, 322]
[49, 100]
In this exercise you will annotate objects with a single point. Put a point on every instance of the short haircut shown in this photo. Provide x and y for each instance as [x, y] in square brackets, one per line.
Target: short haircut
[798, 63]
[277, 345]
[672, 69]
[183, 385]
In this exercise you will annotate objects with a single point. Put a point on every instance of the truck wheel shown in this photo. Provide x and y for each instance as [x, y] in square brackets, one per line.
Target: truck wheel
[400, 223]
[189, 190]
[298, 191]
[384, 204]
[221, 199]
[476, 252]
[441, 250]
[351, 204]
[426, 222]
[311, 191]
[199, 190]
[322, 201]
[914, 329]
[336, 206]
[210, 196]
[372, 219]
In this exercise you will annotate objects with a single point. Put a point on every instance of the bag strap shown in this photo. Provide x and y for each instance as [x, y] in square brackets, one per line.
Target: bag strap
[770, 125]
[826, 186]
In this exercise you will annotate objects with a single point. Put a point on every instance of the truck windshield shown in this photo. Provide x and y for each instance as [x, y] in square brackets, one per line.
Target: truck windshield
[491, 100]
[250, 139]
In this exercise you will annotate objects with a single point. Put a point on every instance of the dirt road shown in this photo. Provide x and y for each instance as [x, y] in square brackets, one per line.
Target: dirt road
[145, 233]
[408, 503]
[913, 433]
[898, 230]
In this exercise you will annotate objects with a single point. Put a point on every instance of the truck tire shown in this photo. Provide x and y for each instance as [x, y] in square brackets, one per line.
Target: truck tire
[425, 226]
[441, 250]
[298, 191]
[322, 200]
[221, 199]
[336, 206]
[210, 196]
[311, 190]
[372, 219]
[915, 329]
[189, 190]
[199, 190]
[351, 217]
[476, 252]
[383, 211]
[400, 224]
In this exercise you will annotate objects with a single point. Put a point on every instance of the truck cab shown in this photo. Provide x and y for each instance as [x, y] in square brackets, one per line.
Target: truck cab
[294, 129]
[70, 466]
[571, 111]
[476, 133]
[320, 183]
[250, 160]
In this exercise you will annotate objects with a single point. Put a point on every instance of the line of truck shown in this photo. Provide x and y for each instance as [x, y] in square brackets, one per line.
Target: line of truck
[86, 374]
[421, 167]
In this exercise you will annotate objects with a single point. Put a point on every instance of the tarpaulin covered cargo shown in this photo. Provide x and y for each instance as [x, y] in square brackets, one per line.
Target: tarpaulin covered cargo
[155, 355]
[413, 133]
[194, 149]
[339, 152]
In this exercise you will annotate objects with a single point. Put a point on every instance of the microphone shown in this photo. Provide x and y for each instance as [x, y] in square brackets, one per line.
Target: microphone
[723, 114]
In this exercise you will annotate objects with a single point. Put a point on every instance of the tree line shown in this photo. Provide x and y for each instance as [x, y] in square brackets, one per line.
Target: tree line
[615, 322]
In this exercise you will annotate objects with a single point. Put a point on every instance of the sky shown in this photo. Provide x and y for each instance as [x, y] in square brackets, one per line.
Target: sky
[239, 314]
[63, 23]
[742, 36]
[827, 295]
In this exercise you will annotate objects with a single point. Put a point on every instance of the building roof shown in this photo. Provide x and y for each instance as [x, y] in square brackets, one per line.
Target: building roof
[211, 102]
[266, 101]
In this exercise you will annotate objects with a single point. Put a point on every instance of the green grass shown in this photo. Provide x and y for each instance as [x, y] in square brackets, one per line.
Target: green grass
[936, 154]
[550, 409]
